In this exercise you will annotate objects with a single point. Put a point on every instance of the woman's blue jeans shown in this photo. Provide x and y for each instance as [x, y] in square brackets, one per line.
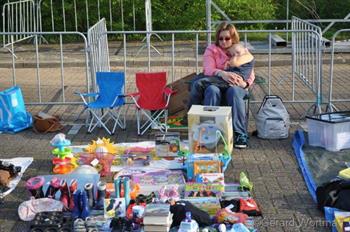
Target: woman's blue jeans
[232, 96]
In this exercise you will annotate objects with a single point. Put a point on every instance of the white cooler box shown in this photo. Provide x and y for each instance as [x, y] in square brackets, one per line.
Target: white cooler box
[329, 130]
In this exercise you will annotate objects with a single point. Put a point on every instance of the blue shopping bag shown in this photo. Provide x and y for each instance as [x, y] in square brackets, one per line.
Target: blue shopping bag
[13, 114]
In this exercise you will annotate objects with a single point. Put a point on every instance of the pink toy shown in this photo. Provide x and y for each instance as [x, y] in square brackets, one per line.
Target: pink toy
[104, 161]
[169, 192]
[226, 215]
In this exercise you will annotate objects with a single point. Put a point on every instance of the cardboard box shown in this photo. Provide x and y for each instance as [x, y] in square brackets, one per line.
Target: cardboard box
[179, 101]
[203, 124]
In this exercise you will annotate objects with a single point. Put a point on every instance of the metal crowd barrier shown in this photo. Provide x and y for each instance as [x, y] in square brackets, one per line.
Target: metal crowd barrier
[307, 57]
[90, 15]
[331, 107]
[39, 86]
[19, 18]
[98, 50]
[301, 62]
[100, 40]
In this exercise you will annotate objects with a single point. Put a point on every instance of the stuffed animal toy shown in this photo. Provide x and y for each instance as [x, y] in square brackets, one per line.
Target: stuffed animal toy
[5, 178]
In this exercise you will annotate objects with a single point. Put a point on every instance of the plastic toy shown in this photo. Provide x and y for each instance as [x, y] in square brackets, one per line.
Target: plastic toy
[85, 170]
[205, 134]
[103, 161]
[101, 146]
[127, 190]
[169, 193]
[188, 225]
[61, 143]
[65, 165]
[64, 162]
[244, 182]
[135, 191]
[122, 189]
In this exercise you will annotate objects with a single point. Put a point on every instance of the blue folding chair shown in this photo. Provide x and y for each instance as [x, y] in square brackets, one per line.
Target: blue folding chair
[108, 101]
[13, 114]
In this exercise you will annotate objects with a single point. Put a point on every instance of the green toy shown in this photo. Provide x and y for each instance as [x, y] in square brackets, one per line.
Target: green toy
[244, 182]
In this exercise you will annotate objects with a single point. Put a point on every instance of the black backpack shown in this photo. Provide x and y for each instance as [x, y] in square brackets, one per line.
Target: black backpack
[335, 193]
[179, 210]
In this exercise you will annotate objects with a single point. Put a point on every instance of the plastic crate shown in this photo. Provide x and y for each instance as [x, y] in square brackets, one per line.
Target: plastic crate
[329, 130]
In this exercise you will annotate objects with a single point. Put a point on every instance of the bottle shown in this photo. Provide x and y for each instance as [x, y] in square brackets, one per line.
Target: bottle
[188, 217]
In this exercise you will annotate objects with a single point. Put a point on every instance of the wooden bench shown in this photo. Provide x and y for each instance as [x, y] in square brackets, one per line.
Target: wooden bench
[278, 41]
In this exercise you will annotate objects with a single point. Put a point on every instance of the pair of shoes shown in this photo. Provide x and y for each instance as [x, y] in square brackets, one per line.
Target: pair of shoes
[81, 205]
[241, 141]
[96, 202]
[35, 186]
[66, 193]
[53, 188]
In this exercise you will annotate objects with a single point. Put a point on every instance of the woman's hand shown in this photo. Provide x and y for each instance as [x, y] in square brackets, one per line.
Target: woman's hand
[240, 82]
[233, 79]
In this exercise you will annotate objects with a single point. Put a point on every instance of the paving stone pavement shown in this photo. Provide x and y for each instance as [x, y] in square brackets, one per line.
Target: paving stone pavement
[278, 184]
[279, 187]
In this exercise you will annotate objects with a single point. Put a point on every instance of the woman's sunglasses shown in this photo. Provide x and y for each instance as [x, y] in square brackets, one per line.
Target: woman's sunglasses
[224, 38]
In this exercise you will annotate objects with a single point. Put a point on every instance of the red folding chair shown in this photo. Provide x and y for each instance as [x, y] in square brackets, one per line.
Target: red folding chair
[151, 100]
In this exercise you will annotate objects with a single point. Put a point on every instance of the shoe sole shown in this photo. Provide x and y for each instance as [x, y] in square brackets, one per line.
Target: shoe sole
[240, 146]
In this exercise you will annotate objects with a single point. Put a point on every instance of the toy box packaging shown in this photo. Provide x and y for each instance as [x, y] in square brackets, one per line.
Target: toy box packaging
[167, 144]
[209, 204]
[114, 207]
[203, 190]
[206, 124]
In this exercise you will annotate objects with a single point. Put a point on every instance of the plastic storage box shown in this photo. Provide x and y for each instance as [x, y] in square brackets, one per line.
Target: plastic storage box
[329, 130]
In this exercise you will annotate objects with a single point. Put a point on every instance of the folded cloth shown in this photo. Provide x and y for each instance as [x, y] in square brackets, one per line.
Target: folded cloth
[28, 209]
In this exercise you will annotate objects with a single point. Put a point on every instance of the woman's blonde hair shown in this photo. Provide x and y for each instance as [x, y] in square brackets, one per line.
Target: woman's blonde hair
[225, 26]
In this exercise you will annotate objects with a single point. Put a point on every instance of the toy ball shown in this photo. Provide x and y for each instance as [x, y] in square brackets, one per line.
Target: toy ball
[85, 170]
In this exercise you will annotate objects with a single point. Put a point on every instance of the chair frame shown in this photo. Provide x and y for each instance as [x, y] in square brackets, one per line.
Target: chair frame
[113, 113]
[152, 118]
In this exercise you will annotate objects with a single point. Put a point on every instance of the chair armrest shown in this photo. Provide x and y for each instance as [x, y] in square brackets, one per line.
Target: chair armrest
[86, 94]
[116, 98]
[168, 91]
[133, 97]
[83, 95]
[132, 94]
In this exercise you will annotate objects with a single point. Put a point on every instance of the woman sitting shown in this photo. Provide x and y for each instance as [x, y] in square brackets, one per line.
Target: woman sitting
[215, 59]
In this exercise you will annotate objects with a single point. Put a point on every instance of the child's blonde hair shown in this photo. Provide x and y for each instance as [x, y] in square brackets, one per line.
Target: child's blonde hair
[237, 48]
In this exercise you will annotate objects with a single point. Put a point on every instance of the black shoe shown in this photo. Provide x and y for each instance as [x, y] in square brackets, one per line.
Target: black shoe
[241, 141]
